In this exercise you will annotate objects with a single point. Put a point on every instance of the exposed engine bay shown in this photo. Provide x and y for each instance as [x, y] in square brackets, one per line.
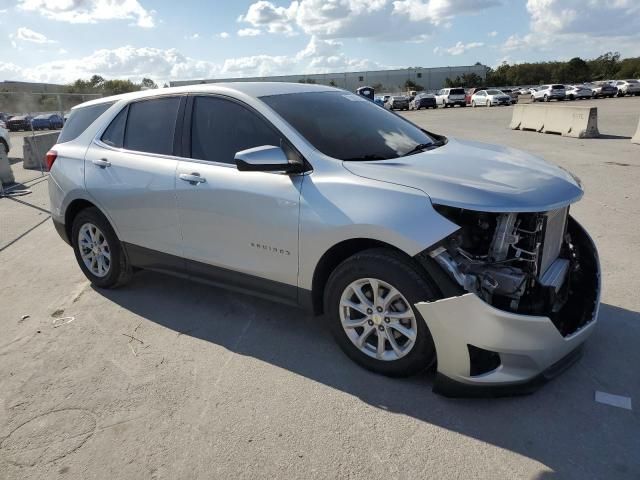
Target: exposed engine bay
[528, 263]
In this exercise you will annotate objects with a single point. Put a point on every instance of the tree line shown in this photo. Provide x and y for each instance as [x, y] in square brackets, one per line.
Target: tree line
[607, 66]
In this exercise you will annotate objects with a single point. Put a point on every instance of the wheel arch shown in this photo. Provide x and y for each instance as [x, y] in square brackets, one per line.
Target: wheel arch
[72, 211]
[333, 257]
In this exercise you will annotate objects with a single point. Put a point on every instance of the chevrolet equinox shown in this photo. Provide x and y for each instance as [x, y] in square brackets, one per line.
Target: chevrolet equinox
[419, 250]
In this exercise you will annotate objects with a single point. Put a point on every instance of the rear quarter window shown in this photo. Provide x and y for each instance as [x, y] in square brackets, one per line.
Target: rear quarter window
[80, 119]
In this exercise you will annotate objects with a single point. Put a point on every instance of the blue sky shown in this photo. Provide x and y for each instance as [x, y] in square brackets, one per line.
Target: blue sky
[60, 40]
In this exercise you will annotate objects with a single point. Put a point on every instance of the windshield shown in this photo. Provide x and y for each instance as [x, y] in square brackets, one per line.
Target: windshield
[494, 92]
[347, 127]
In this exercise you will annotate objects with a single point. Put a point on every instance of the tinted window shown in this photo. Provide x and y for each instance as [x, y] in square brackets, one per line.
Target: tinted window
[456, 91]
[114, 134]
[221, 128]
[557, 87]
[151, 125]
[79, 119]
[347, 127]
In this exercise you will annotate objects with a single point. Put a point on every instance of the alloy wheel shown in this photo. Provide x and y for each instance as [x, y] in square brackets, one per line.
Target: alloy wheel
[94, 249]
[378, 319]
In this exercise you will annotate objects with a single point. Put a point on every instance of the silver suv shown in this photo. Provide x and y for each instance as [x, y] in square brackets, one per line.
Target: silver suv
[417, 249]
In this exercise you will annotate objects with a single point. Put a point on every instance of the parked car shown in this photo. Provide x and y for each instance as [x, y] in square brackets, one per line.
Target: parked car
[19, 122]
[5, 138]
[423, 100]
[546, 93]
[513, 94]
[469, 93]
[398, 102]
[524, 91]
[419, 250]
[489, 98]
[47, 122]
[603, 89]
[628, 87]
[577, 92]
[450, 97]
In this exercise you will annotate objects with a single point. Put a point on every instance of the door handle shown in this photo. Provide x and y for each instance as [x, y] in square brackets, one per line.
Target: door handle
[102, 163]
[193, 178]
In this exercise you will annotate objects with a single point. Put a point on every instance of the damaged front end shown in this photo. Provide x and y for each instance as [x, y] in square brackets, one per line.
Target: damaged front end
[535, 283]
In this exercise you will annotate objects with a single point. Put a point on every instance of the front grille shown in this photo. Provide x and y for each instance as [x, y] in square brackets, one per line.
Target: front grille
[555, 226]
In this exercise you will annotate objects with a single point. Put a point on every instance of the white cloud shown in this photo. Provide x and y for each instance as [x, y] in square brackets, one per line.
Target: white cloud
[62, 51]
[27, 35]
[194, 36]
[437, 11]
[383, 19]
[90, 11]
[458, 49]
[248, 32]
[318, 56]
[263, 14]
[222, 35]
[492, 34]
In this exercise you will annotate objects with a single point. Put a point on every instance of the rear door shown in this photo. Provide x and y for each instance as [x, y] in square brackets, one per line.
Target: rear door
[239, 229]
[130, 171]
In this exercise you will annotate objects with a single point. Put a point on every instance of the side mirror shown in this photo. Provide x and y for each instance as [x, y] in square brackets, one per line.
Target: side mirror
[266, 158]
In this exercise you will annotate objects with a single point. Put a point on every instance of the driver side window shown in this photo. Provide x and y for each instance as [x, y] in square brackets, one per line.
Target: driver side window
[220, 128]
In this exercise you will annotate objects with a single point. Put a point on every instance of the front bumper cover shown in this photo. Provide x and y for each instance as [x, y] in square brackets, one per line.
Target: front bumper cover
[531, 348]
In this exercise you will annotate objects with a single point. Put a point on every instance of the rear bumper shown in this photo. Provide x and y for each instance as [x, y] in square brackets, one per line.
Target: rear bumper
[518, 352]
[62, 231]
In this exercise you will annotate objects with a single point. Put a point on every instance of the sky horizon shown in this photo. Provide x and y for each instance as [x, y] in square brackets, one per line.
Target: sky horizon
[59, 41]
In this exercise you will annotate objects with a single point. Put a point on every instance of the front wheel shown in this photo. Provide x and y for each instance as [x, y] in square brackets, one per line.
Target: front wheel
[473, 104]
[98, 250]
[369, 301]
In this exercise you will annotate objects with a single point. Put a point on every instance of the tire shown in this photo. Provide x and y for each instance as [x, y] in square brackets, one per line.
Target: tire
[4, 146]
[545, 98]
[533, 99]
[118, 272]
[473, 104]
[571, 97]
[396, 270]
[488, 104]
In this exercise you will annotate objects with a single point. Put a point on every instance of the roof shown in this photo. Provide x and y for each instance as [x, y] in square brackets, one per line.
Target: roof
[252, 89]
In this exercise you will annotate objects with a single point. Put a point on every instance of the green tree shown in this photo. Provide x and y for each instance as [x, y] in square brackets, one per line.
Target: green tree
[148, 83]
[411, 85]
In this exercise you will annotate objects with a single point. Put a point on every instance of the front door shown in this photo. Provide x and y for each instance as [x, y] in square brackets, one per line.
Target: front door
[239, 229]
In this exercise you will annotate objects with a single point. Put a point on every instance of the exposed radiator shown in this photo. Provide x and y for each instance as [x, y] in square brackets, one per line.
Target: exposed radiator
[555, 226]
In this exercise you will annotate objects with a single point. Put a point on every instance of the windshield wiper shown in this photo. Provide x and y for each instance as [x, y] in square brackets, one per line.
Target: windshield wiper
[364, 158]
[421, 147]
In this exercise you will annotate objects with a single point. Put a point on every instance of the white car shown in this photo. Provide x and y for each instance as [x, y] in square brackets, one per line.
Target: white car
[627, 87]
[577, 92]
[546, 93]
[450, 97]
[5, 141]
[489, 98]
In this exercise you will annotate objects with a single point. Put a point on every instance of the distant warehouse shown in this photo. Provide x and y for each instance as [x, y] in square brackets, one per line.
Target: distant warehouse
[381, 80]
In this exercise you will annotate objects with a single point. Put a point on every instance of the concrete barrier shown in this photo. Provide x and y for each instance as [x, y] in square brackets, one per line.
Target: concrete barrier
[568, 121]
[636, 136]
[35, 147]
[6, 174]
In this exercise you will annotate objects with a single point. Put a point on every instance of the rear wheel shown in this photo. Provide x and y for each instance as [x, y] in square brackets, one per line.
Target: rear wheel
[546, 98]
[369, 301]
[98, 250]
[488, 103]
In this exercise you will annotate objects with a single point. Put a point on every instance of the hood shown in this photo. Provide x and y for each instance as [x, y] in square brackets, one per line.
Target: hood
[478, 176]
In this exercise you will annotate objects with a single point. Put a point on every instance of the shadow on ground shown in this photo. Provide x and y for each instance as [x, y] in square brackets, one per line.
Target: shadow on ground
[559, 426]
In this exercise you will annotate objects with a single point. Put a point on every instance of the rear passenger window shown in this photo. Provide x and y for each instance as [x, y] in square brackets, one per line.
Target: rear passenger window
[114, 134]
[79, 119]
[220, 128]
[151, 125]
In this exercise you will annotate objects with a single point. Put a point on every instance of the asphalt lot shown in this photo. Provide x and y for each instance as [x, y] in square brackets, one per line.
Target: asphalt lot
[168, 379]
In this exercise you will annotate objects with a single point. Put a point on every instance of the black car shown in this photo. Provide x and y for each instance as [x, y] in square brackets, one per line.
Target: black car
[423, 100]
[19, 122]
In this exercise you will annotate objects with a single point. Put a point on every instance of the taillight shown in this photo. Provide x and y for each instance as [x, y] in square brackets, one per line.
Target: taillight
[49, 158]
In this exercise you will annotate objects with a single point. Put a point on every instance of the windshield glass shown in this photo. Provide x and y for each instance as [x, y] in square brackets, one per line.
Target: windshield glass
[347, 127]
[494, 92]
[456, 91]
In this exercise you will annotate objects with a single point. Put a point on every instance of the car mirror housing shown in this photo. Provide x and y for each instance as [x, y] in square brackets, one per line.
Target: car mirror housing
[265, 158]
